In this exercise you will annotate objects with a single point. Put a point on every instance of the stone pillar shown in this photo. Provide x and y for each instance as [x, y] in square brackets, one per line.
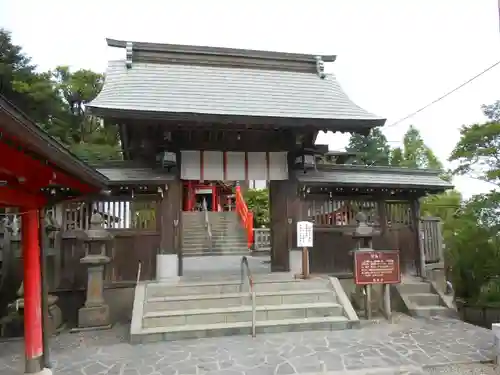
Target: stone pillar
[495, 327]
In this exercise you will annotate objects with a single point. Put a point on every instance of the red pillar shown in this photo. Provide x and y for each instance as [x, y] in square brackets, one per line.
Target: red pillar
[32, 291]
[214, 198]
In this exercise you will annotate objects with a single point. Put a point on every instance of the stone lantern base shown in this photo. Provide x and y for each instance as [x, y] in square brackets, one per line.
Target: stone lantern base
[94, 317]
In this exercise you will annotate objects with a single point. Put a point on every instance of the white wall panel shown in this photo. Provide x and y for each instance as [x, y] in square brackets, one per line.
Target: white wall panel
[213, 168]
[190, 165]
[235, 166]
[278, 166]
[257, 166]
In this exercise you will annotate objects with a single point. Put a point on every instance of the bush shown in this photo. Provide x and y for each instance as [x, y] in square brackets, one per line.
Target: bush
[474, 251]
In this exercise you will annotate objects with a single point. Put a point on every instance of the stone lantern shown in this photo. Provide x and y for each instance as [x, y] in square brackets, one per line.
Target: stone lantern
[364, 233]
[95, 311]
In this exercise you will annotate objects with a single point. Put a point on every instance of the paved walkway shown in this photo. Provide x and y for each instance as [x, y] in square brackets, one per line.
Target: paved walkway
[374, 349]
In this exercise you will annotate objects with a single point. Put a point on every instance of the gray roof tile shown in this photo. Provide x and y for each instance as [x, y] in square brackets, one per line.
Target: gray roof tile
[223, 90]
[348, 175]
[135, 175]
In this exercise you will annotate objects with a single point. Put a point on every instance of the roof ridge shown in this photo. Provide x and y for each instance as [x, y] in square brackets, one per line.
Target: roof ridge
[221, 56]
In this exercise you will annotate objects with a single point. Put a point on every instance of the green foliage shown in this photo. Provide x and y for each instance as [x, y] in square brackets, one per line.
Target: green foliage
[478, 151]
[373, 149]
[46, 98]
[474, 250]
[258, 202]
[414, 153]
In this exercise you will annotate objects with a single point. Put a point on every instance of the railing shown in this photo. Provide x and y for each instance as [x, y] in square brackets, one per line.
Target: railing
[207, 220]
[262, 239]
[244, 266]
[245, 214]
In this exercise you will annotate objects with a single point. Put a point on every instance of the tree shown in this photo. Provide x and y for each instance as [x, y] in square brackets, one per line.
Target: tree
[32, 92]
[373, 149]
[258, 202]
[414, 153]
[474, 250]
[478, 150]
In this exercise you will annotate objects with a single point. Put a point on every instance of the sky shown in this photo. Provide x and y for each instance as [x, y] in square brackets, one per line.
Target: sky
[394, 56]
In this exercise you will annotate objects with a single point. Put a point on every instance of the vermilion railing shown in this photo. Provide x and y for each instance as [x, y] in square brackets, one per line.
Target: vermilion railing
[245, 215]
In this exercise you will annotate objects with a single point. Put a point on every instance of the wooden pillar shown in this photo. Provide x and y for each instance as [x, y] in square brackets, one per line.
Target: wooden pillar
[171, 229]
[419, 251]
[32, 292]
[214, 198]
[278, 194]
[284, 204]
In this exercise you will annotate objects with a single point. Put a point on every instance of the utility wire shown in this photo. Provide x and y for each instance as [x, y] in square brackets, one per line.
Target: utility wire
[439, 99]
[443, 96]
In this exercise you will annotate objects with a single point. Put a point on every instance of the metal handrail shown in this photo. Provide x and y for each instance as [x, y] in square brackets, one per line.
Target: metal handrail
[207, 219]
[139, 267]
[244, 265]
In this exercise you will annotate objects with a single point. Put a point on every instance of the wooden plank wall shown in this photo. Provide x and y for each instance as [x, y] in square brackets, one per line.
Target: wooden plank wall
[335, 222]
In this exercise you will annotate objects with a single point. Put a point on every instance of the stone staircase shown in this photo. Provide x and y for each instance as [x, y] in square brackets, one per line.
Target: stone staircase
[422, 299]
[218, 308]
[228, 236]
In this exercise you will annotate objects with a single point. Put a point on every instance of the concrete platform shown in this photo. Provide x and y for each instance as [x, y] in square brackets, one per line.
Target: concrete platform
[411, 343]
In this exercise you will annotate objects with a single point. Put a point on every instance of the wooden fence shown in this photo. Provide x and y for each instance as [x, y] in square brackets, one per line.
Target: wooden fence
[133, 222]
[432, 239]
[335, 219]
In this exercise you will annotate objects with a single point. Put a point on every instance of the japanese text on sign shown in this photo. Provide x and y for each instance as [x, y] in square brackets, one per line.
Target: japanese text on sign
[377, 267]
[304, 234]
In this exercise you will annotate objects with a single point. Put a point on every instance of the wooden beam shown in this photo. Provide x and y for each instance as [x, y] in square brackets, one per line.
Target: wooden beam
[36, 172]
[19, 198]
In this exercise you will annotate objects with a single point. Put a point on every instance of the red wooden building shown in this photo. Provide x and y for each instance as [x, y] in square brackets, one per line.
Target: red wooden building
[35, 171]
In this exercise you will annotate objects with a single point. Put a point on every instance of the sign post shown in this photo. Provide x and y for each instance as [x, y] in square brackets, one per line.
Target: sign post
[305, 240]
[377, 267]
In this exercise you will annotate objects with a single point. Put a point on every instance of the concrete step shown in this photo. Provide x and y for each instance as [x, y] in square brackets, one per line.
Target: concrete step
[424, 299]
[242, 313]
[415, 287]
[202, 250]
[428, 311]
[215, 237]
[209, 252]
[187, 302]
[172, 333]
[218, 287]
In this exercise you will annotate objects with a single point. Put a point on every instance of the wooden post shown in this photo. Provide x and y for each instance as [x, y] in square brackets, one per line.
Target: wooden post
[368, 302]
[420, 253]
[387, 301]
[33, 344]
[305, 263]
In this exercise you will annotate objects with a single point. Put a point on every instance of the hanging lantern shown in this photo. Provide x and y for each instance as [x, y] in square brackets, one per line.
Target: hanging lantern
[305, 159]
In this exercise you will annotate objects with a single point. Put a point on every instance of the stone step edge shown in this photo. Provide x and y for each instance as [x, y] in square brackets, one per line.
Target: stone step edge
[195, 284]
[241, 308]
[421, 294]
[428, 307]
[189, 254]
[262, 323]
[195, 297]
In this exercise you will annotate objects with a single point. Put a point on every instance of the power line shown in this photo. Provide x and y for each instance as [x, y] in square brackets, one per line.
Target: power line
[443, 96]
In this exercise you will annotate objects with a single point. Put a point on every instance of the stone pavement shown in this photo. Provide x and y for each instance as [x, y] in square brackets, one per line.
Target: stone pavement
[404, 347]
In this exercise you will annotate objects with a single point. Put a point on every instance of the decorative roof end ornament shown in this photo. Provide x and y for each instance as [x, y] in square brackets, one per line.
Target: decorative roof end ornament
[129, 49]
[320, 67]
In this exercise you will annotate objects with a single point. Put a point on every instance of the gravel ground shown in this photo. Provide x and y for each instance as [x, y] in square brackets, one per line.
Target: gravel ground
[469, 369]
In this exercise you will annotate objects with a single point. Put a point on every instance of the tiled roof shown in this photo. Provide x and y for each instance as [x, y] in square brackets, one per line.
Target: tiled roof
[348, 175]
[223, 83]
[135, 175]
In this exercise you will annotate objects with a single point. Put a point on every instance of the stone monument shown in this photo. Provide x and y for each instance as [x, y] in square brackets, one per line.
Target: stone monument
[95, 311]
